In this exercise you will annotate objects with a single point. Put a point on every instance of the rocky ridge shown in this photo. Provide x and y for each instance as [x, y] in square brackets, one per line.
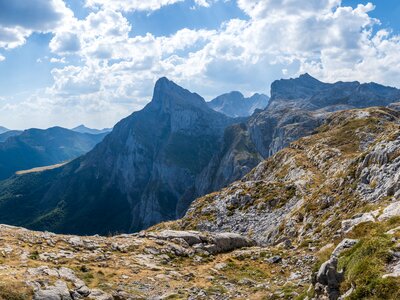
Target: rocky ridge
[234, 104]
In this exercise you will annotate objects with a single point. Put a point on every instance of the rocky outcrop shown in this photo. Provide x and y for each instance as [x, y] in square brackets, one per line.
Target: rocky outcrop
[296, 108]
[212, 243]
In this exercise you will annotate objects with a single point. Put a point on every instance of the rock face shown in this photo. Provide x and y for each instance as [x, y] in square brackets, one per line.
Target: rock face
[311, 94]
[234, 104]
[144, 172]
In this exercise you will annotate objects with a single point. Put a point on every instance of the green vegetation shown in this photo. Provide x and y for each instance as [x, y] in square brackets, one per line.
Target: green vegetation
[364, 266]
[34, 255]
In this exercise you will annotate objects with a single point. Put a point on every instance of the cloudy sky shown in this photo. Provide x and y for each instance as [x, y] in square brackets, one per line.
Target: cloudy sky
[67, 62]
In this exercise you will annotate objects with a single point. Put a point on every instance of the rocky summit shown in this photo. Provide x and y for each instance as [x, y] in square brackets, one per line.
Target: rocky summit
[234, 104]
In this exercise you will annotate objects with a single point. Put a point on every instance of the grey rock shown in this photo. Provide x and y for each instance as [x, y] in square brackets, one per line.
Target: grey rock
[393, 210]
[342, 246]
[348, 225]
[330, 279]
[57, 292]
[234, 104]
[274, 259]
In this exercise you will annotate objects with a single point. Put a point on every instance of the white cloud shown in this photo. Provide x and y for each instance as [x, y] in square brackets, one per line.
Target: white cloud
[116, 71]
[280, 39]
[130, 5]
[58, 60]
[20, 18]
[2, 58]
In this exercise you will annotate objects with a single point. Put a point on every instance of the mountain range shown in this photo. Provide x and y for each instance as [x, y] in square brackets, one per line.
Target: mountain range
[158, 160]
[83, 129]
[23, 150]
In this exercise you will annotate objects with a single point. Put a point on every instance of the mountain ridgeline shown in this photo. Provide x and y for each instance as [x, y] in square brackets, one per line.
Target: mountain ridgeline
[234, 104]
[23, 150]
[155, 162]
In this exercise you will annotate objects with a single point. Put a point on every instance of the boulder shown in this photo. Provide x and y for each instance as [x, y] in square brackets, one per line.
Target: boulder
[190, 237]
[328, 279]
[57, 292]
[393, 210]
[225, 242]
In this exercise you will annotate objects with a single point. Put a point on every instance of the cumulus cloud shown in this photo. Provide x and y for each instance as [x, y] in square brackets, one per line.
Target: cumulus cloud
[131, 5]
[20, 18]
[1, 59]
[117, 70]
[280, 39]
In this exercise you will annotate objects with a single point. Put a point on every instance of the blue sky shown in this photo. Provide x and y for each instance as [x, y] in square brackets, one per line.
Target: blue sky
[96, 61]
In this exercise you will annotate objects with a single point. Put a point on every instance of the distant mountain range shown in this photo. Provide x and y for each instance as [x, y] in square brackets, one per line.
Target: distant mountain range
[3, 129]
[22, 150]
[83, 129]
[234, 104]
[158, 160]
[5, 135]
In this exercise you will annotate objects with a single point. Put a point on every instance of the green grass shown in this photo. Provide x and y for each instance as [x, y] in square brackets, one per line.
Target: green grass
[364, 266]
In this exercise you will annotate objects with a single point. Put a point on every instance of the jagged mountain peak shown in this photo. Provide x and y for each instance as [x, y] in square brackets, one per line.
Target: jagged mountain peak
[235, 104]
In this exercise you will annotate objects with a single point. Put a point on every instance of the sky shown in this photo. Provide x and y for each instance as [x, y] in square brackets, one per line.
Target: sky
[68, 62]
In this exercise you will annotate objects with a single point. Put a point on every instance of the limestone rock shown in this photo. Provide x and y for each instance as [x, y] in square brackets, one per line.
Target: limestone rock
[393, 210]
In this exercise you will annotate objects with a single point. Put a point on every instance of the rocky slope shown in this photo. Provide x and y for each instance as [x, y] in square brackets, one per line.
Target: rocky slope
[36, 148]
[351, 161]
[319, 219]
[341, 182]
[234, 104]
[296, 108]
[143, 172]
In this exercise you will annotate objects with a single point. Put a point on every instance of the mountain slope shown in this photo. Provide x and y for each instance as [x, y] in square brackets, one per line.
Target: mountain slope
[334, 195]
[142, 173]
[234, 104]
[4, 136]
[296, 108]
[35, 148]
[350, 164]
